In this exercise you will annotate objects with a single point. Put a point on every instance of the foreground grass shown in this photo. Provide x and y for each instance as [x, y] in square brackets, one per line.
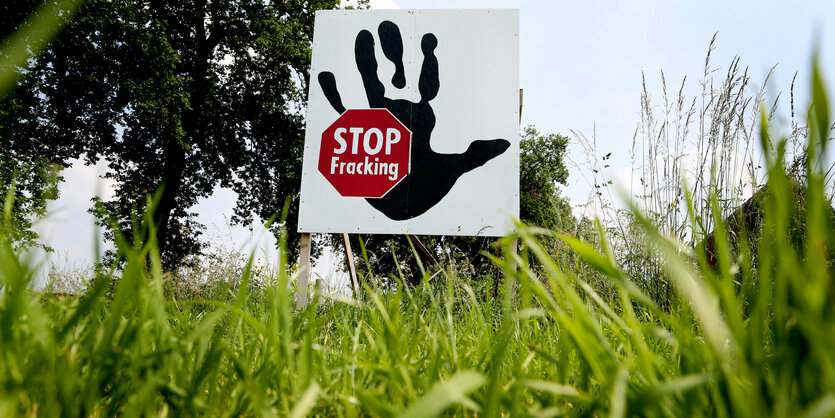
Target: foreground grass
[748, 337]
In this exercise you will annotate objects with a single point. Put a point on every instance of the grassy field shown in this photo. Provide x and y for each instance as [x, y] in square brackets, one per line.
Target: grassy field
[570, 333]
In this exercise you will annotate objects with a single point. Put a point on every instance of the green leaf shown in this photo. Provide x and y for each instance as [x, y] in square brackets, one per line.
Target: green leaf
[590, 255]
[446, 394]
[306, 402]
[553, 388]
[680, 384]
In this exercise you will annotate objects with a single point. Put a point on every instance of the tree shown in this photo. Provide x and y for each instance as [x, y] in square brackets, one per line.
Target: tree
[27, 180]
[179, 95]
[26, 186]
[541, 168]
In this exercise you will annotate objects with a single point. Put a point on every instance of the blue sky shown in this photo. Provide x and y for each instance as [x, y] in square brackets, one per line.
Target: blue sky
[580, 68]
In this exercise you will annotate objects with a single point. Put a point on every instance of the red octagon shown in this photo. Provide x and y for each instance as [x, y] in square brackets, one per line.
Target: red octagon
[365, 152]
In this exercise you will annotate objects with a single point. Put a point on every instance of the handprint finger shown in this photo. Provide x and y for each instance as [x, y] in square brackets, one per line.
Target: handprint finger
[367, 66]
[392, 44]
[428, 84]
[481, 151]
[328, 83]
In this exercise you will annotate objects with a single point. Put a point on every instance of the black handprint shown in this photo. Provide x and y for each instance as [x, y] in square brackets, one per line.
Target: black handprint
[432, 174]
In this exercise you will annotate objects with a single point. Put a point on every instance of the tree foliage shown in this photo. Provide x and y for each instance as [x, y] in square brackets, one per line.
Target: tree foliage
[541, 168]
[27, 179]
[183, 95]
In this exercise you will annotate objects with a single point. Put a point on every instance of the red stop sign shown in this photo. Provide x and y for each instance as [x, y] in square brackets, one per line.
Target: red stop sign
[365, 152]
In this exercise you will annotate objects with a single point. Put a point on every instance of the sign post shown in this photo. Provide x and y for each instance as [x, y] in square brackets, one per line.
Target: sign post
[352, 270]
[304, 271]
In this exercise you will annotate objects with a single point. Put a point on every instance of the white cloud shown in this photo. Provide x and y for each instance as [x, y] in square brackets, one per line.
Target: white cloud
[68, 227]
[82, 182]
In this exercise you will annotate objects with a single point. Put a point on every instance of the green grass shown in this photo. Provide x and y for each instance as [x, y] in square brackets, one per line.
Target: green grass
[569, 334]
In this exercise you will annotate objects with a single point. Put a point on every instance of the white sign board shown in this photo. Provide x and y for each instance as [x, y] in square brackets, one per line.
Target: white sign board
[413, 123]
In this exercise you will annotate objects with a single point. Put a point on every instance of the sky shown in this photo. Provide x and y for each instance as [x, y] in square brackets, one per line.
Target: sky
[580, 68]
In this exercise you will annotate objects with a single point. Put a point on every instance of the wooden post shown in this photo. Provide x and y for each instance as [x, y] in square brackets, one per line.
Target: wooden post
[349, 258]
[425, 256]
[514, 250]
[304, 271]
[514, 244]
[496, 277]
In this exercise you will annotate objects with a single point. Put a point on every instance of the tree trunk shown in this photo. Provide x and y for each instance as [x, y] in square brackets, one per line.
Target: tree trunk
[176, 150]
[172, 179]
